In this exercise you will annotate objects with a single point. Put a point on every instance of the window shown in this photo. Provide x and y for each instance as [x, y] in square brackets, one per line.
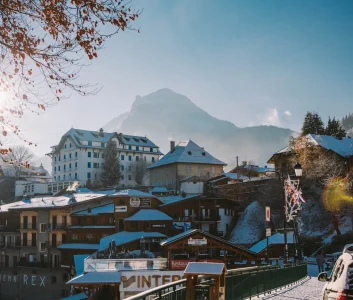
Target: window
[89, 154]
[24, 239]
[54, 169]
[64, 177]
[64, 167]
[129, 168]
[75, 164]
[65, 146]
[70, 145]
[152, 159]
[59, 177]
[42, 246]
[53, 279]
[69, 166]
[137, 148]
[89, 236]
[89, 165]
[201, 169]
[122, 168]
[130, 158]
[54, 178]
[64, 156]
[151, 149]
[59, 168]
[172, 181]
[75, 175]
[122, 156]
[213, 170]
[95, 154]
[43, 227]
[122, 177]
[129, 177]
[34, 240]
[89, 175]
[74, 237]
[89, 143]
[75, 154]
[55, 158]
[102, 144]
[129, 147]
[137, 158]
[32, 188]
[102, 155]
[188, 168]
[96, 165]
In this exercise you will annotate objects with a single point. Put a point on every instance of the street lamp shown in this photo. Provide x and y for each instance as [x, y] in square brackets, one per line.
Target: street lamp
[298, 170]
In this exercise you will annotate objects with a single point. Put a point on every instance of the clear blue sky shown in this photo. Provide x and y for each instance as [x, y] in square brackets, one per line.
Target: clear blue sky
[249, 62]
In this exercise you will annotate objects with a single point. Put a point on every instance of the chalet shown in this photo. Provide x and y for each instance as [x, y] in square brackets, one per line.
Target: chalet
[184, 160]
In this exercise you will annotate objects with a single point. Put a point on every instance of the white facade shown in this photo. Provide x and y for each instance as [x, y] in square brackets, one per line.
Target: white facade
[191, 187]
[32, 188]
[78, 159]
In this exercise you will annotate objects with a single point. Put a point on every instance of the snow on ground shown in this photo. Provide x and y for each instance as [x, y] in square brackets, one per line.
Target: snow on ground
[251, 225]
[309, 289]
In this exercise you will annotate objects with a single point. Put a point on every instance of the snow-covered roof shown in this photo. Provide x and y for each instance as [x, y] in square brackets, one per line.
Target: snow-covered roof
[135, 140]
[187, 152]
[103, 209]
[49, 202]
[80, 296]
[125, 237]
[149, 215]
[342, 147]
[133, 193]
[79, 246]
[96, 278]
[158, 189]
[173, 199]
[277, 238]
[106, 192]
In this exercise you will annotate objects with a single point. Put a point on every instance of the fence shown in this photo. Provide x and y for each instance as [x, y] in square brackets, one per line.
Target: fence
[240, 283]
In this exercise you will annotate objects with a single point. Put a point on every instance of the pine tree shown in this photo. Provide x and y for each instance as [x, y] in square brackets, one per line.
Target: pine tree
[312, 124]
[307, 124]
[329, 127]
[111, 168]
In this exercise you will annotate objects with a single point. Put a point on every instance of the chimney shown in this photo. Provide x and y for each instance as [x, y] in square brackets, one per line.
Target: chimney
[101, 133]
[172, 146]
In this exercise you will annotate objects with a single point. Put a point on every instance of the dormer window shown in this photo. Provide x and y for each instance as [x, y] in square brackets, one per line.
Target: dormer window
[203, 153]
[189, 152]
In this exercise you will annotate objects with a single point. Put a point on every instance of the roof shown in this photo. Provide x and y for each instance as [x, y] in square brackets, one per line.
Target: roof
[149, 215]
[159, 190]
[204, 268]
[96, 278]
[174, 199]
[103, 209]
[193, 231]
[80, 262]
[187, 152]
[125, 237]
[79, 246]
[133, 193]
[285, 151]
[233, 176]
[135, 140]
[80, 296]
[342, 147]
[50, 202]
[277, 238]
[79, 135]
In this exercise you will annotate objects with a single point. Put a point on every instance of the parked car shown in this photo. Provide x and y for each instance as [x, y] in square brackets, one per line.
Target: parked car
[339, 285]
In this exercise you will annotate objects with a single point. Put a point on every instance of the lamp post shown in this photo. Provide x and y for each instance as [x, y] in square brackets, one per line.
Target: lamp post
[288, 215]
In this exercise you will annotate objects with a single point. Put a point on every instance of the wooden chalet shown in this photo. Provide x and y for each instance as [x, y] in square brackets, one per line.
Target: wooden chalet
[198, 246]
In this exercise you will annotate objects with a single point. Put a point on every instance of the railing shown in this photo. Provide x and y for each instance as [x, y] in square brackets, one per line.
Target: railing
[29, 226]
[10, 245]
[59, 226]
[38, 264]
[207, 219]
[29, 243]
[240, 283]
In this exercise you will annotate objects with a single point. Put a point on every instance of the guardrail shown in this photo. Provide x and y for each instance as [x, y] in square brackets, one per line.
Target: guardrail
[241, 283]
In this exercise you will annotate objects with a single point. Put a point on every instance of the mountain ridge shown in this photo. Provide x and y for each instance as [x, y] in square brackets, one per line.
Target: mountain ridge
[165, 115]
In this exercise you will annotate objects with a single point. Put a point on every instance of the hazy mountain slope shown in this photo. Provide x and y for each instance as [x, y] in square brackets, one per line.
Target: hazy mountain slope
[166, 115]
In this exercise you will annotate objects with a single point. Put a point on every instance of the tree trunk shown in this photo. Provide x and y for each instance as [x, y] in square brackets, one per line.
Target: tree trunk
[336, 224]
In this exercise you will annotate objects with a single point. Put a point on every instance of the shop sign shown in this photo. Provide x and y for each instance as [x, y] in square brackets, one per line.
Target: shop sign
[32, 280]
[120, 208]
[180, 264]
[139, 281]
[182, 225]
[197, 242]
[140, 202]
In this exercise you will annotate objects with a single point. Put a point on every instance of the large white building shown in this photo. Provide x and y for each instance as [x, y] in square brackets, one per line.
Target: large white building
[80, 155]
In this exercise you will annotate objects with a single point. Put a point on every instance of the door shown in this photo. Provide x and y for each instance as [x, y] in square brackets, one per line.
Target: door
[64, 221]
[53, 240]
[55, 220]
[34, 222]
[24, 239]
[55, 260]
[34, 240]
[7, 261]
[14, 261]
[121, 225]
[25, 222]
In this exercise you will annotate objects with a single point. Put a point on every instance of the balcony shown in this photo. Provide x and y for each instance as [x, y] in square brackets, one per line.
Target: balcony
[207, 219]
[29, 243]
[11, 245]
[28, 226]
[53, 244]
[59, 226]
[39, 264]
[8, 228]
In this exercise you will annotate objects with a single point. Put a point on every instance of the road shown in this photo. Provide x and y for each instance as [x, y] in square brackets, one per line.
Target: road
[308, 290]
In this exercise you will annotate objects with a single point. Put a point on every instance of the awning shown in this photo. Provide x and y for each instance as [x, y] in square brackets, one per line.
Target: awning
[96, 278]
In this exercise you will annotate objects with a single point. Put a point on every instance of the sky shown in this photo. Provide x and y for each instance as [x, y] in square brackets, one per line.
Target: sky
[249, 62]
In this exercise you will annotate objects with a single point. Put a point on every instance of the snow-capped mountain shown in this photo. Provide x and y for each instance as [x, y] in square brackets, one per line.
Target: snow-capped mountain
[165, 115]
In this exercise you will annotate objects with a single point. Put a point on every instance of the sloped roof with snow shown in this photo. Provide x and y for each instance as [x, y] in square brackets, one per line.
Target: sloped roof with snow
[187, 152]
[133, 193]
[135, 140]
[149, 215]
[342, 147]
[103, 209]
[277, 238]
[159, 189]
[49, 202]
[125, 237]
[174, 199]
[80, 246]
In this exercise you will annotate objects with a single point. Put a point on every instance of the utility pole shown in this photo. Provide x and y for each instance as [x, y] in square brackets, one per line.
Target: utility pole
[237, 169]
